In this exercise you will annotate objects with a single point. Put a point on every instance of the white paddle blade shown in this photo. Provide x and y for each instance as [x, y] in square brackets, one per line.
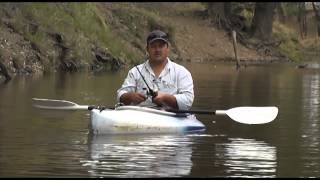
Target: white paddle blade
[253, 115]
[56, 104]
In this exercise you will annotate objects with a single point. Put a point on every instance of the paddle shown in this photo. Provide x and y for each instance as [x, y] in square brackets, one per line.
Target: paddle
[54, 104]
[245, 115]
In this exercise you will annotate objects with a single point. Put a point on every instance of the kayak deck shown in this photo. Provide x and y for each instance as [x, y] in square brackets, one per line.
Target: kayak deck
[137, 120]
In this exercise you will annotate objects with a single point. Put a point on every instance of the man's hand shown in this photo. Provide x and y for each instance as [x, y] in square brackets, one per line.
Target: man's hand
[165, 99]
[132, 97]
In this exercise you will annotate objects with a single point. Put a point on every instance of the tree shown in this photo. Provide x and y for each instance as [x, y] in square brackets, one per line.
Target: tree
[316, 9]
[262, 21]
[230, 15]
[220, 12]
[302, 19]
[281, 12]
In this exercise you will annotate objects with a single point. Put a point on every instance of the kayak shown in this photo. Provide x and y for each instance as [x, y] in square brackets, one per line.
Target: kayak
[137, 120]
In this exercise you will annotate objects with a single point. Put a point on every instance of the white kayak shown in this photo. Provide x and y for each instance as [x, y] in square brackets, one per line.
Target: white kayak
[136, 120]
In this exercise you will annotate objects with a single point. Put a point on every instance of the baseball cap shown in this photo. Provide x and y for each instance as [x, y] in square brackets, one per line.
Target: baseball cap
[157, 35]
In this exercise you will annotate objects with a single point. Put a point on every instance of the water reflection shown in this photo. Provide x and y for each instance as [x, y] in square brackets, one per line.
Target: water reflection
[139, 156]
[311, 85]
[248, 158]
[310, 130]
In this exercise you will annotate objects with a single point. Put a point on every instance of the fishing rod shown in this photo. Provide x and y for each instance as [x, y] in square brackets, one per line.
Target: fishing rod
[151, 92]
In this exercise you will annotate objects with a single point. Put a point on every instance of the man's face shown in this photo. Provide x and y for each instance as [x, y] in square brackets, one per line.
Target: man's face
[158, 51]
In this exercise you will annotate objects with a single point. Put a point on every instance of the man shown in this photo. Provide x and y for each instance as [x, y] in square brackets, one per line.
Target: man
[172, 82]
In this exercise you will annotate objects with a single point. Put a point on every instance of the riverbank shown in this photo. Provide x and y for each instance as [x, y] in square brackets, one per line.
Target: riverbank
[48, 37]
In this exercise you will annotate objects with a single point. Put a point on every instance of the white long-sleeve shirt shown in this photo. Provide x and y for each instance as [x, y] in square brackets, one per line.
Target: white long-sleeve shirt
[174, 79]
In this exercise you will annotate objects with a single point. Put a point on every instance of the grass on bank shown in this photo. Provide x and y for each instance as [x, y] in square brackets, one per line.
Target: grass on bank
[81, 24]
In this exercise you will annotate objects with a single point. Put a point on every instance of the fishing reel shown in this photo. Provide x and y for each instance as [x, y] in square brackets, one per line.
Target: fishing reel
[151, 93]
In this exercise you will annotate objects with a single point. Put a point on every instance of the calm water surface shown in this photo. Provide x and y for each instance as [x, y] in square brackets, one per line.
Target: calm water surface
[36, 143]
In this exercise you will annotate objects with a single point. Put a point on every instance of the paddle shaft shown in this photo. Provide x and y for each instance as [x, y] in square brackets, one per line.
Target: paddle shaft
[217, 112]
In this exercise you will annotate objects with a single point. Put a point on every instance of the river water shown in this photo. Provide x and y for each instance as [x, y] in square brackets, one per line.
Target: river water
[36, 143]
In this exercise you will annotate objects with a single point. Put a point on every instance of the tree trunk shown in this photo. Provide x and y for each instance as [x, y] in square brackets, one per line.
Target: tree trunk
[281, 13]
[234, 40]
[227, 9]
[302, 19]
[262, 20]
[317, 13]
[219, 12]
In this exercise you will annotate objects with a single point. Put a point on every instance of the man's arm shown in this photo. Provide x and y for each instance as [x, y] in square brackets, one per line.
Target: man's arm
[127, 93]
[132, 97]
[185, 94]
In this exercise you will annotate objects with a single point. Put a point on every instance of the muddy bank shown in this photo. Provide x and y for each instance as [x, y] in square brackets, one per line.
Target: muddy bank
[47, 37]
